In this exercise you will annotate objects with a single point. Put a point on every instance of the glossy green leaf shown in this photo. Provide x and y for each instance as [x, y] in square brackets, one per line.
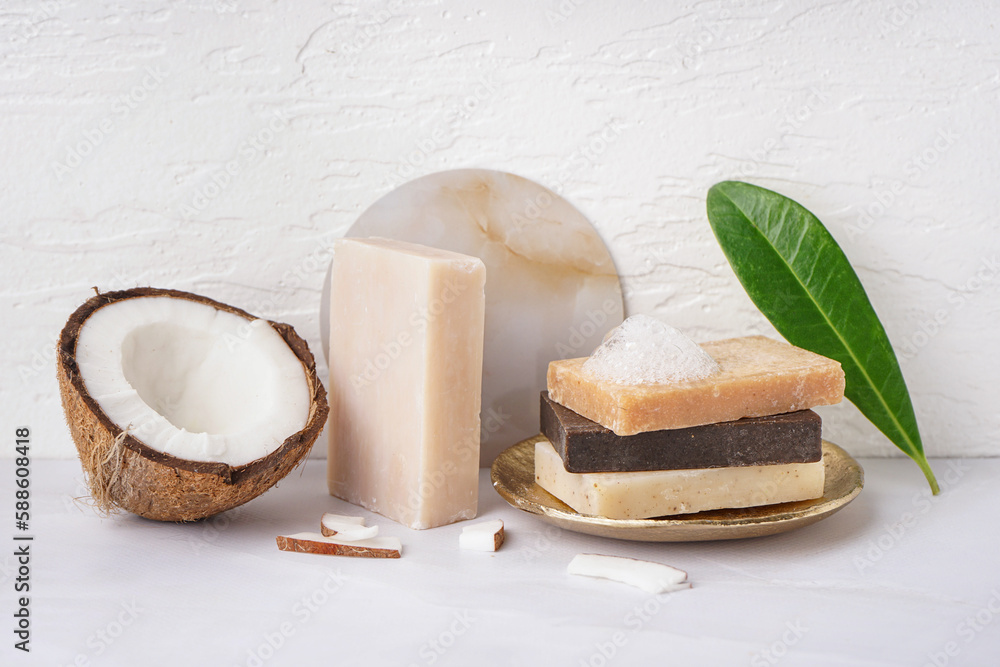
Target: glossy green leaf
[801, 280]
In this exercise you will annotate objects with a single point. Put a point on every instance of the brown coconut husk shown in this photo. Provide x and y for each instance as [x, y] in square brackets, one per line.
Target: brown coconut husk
[124, 473]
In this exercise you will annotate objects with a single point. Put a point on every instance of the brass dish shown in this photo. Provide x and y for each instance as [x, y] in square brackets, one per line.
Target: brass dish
[513, 475]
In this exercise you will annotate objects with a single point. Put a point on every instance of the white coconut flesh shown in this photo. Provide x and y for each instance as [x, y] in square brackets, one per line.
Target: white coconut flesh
[188, 380]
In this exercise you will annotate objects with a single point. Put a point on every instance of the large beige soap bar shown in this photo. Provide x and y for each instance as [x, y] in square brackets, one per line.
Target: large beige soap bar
[758, 377]
[406, 360]
[641, 495]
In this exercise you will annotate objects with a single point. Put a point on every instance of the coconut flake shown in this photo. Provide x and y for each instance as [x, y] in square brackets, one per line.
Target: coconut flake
[644, 350]
[483, 536]
[647, 575]
[347, 528]
[314, 543]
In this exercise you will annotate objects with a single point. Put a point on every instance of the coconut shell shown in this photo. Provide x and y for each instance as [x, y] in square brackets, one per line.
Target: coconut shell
[123, 472]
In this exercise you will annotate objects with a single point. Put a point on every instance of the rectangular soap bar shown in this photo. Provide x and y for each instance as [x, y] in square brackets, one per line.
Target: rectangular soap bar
[406, 363]
[759, 376]
[586, 446]
[643, 495]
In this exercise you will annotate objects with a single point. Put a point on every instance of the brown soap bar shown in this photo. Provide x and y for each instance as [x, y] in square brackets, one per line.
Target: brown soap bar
[586, 446]
[758, 377]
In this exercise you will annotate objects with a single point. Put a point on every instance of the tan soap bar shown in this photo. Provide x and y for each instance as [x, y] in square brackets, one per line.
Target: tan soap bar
[406, 364]
[642, 495]
[758, 377]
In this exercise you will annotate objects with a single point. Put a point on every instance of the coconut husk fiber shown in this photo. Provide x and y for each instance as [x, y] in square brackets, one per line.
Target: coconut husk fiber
[123, 473]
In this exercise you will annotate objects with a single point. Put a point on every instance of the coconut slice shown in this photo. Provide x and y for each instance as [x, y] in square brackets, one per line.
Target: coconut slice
[347, 528]
[482, 536]
[647, 575]
[182, 407]
[314, 543]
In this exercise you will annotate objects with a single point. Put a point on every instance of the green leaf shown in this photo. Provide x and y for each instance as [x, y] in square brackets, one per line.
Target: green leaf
[801, 280]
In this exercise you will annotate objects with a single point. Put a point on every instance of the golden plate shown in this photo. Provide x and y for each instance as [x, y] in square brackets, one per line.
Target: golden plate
[513, 475]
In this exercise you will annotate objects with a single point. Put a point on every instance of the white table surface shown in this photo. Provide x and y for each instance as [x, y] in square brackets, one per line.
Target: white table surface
[896, 578]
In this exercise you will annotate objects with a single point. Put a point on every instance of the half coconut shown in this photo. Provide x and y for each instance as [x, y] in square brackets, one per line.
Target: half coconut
[182, 407]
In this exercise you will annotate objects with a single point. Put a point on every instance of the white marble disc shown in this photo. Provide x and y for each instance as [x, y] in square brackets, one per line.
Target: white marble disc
[552, 291]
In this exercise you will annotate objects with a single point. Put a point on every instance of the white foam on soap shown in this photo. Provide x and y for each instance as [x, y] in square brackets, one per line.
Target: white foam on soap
[644, 350]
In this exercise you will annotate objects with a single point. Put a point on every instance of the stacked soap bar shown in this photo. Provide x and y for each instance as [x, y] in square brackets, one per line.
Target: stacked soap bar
[586, 446]
[740, 437]
[757, 376]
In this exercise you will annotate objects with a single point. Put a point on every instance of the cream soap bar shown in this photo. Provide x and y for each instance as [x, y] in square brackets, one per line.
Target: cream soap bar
[642, 495]
[758, 377]
[406, 360]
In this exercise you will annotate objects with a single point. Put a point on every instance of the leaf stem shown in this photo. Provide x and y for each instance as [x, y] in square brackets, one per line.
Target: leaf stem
[928, 473]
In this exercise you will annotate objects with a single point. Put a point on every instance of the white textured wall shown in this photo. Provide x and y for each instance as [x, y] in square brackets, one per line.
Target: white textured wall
[881, 117]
